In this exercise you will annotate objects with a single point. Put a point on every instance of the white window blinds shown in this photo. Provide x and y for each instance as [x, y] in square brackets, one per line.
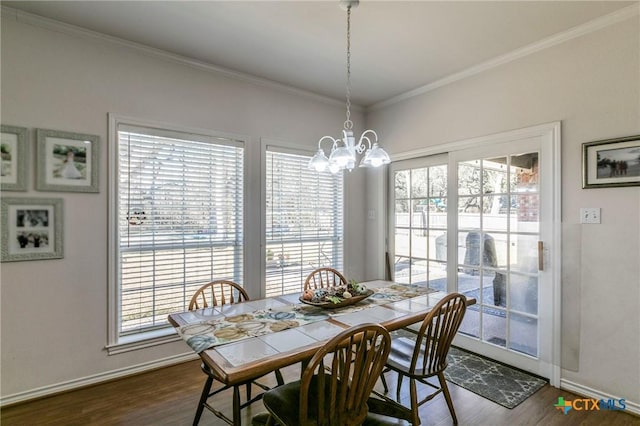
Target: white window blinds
[180, 211]
[304, 221]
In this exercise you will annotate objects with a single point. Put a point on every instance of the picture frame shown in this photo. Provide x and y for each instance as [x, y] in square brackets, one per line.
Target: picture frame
[14, 150]
[67, 162]
[32, 229]
[611, 163]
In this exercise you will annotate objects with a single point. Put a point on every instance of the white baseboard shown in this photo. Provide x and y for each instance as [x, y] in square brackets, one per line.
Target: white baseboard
[94, 379]
[631, 406]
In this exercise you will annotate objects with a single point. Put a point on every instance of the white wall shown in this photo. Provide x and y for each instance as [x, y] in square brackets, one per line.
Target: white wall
[54, 312]
[591, 84]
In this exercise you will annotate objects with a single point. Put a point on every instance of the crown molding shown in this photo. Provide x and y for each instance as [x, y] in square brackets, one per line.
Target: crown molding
[61, 27]
[578, 31]
[575, 32]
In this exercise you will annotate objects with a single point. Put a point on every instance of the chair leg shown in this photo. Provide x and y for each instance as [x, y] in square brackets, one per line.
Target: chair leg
[384, 383]
[447, 396]
[279, 378]
[236, 405]
[203, 399]
[399, 386]
[248, 391]
[413, 391]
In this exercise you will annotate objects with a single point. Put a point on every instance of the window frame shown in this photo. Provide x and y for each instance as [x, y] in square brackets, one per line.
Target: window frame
[117, 343]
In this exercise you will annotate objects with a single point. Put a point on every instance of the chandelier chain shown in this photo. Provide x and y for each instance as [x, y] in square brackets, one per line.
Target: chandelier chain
[348, 124]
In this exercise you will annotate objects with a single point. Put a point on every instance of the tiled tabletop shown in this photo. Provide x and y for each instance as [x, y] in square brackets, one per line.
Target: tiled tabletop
[260, 354]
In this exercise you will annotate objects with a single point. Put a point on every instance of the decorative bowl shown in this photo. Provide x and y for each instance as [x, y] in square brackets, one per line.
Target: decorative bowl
[344, 302]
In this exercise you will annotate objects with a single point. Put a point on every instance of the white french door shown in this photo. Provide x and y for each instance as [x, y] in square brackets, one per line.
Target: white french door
[492, 234]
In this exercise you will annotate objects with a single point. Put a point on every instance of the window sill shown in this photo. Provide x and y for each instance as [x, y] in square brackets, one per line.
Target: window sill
[138, 341]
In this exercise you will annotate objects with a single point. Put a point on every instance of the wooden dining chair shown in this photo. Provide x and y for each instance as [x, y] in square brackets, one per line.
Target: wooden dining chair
[216, 293]
[323, 278]
[336, 383]
[426, 357]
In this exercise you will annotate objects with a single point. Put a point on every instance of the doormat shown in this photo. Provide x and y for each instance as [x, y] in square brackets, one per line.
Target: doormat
[496, 382]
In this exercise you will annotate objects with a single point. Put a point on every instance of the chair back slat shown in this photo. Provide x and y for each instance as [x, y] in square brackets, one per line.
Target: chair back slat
[323, 278]
[436, 335]
[217, 293]
[358, 356]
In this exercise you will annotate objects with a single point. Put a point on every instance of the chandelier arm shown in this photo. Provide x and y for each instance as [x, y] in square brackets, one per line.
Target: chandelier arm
[361, 147]
[332, 139]
[370, 131]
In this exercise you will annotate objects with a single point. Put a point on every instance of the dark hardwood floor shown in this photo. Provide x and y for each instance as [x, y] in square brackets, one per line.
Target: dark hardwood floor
[169, 396]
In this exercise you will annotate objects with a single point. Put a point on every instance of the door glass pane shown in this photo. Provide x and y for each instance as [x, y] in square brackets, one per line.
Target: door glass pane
[438, 245]
[471, 322]
[402, 213]
[462, 250]
[469, 212]
[402, 242]
[476, 249]
[494, 175]
[438, 212]
[492, 218]
[502, 248]
[523, 334]
[525, 172]
[419, 243]
[499, 289]
[469, 283]
[524, 214]
[469, 177]
[419, 183]
[419, 212]
[494, 326]
[402, 270]
[438, 276]
[523, 291]
[419, 272]
[402, 184]
[524, 253]
[438, 181]
[494, 291]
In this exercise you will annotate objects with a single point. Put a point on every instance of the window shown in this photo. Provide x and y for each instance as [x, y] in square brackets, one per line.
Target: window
[304, 221]
[178, 222]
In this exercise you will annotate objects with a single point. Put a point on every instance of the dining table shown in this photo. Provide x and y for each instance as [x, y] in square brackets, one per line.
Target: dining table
[245, 341]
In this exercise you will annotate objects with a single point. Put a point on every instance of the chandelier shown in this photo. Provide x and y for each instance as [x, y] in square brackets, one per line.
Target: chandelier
[344, 150]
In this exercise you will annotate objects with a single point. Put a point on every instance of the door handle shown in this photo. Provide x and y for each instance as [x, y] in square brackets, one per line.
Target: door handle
[540, 256]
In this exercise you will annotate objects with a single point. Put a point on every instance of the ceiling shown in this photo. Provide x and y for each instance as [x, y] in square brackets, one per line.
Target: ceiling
[397, 46]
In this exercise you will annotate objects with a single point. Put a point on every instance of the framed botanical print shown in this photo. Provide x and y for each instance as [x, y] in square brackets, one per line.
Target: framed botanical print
[67, 162]
[31, 229]
[14, 151]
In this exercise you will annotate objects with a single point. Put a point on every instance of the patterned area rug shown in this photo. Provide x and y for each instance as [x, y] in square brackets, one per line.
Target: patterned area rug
[499, 383]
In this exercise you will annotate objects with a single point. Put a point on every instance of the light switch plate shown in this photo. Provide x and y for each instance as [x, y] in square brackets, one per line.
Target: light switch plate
[590, 215]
